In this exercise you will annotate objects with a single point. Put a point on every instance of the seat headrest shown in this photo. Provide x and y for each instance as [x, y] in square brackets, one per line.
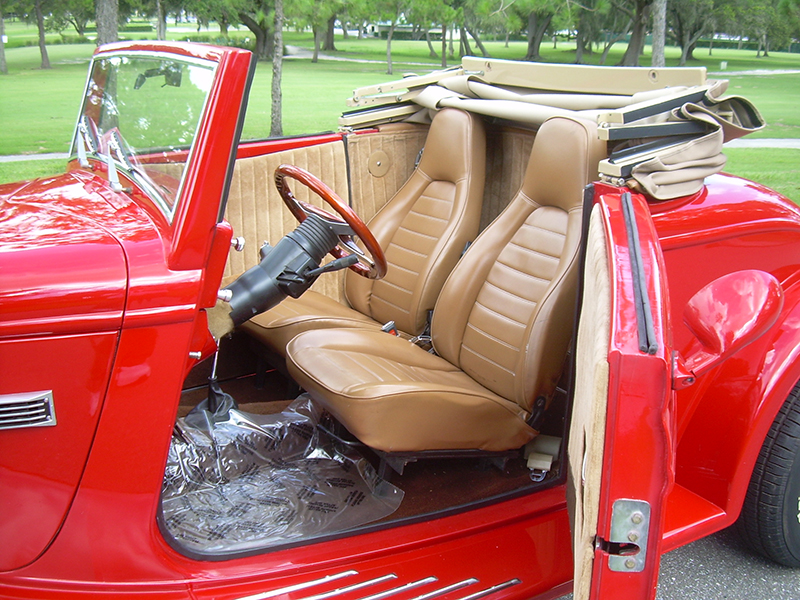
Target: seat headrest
[451, 131]
[564, 159]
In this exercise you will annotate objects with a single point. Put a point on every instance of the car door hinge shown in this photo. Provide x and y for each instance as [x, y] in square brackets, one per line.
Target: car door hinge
[627, 543]
[682, 377]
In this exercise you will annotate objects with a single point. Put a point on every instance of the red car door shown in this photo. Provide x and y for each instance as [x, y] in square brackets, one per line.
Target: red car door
[620, 446]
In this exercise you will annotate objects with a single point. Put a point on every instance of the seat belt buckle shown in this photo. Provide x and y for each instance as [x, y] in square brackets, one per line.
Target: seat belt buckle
[390, 328]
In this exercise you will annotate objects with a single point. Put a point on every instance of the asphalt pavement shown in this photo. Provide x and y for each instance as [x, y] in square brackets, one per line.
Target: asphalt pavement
[720, 567]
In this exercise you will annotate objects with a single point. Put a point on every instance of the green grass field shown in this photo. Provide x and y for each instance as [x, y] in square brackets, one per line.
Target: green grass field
[38, 108]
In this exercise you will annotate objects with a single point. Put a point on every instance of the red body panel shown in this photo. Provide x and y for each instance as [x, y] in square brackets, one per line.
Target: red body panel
[722, 419]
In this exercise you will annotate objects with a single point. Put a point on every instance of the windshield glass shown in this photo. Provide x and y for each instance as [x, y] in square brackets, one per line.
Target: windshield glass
[140, 115]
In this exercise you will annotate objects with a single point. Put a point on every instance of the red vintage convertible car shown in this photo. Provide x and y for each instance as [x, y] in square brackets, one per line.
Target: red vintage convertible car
[552, 341]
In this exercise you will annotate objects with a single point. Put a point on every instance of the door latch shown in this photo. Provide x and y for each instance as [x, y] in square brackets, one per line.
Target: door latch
[627, 543]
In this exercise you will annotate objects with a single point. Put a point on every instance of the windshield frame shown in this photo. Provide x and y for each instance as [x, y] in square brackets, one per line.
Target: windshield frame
[133, 169]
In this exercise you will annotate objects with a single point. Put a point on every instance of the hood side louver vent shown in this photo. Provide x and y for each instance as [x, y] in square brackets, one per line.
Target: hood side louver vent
[30, 409]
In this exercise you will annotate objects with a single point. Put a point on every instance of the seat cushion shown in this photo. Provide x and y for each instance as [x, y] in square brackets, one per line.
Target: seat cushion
[277, 326]
[396, 397]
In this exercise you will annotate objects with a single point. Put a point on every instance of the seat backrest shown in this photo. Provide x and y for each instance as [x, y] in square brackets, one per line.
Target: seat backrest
[505, 314]
[424, 228]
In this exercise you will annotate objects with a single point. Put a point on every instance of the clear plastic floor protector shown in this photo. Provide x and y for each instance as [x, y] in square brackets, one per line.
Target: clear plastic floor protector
[252, 481]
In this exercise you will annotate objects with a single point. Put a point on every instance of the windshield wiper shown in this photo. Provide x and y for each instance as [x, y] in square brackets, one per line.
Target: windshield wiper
[85, 138]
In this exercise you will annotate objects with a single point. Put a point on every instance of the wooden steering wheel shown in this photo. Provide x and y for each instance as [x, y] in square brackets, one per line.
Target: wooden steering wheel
[371, 264]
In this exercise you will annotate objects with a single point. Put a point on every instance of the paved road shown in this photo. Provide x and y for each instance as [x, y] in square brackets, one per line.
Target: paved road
[719, 567]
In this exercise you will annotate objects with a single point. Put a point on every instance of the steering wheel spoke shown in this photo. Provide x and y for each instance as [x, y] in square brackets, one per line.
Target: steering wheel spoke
[345, 223]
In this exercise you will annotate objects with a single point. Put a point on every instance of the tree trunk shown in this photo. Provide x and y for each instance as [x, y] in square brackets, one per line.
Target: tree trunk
[444, 46]
[345, 33]
[659, 33]
[161, 21]
[276, 126]
[452, 50]
[389, 49]
[478, 41]
[536, 29]
[329, 45]
[638, 34]
[711, 43]
[607, 48]
[579, 48]
[107, 15]
[260, 33]
[690, 50]
[317, 35]
[40, 26]
[431, 51]
[3, 65]
[466, 49]
[684, 55]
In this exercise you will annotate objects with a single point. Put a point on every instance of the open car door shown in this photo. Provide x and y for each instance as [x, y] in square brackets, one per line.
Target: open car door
[620, 443]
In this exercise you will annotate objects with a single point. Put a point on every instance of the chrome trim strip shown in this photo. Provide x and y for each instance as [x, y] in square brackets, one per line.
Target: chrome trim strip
[402, 588]
[492, 590]
[350, 588]
[446, 590]
[298, 586]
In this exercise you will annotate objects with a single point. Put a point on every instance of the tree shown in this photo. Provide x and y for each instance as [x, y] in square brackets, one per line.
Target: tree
[659, 32]
[537, 15]
[475, 16]
[34, 10]
[790, 10]
[107, 20]
[588, 18]
[391, 11]
[223, 12]
[639, 13]
[329, 45]
[276, 127]
[688, 21]
[75, 13]
[3, 65]
[425, 14]
[318, 15]
[258, 17]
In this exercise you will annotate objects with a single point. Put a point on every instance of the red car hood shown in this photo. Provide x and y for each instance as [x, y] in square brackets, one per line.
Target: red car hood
[62, 271]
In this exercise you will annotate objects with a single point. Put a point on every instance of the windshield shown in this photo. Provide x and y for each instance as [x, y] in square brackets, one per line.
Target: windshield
[141, 115]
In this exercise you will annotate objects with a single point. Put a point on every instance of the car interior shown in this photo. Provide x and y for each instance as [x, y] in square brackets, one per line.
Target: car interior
[480, 223]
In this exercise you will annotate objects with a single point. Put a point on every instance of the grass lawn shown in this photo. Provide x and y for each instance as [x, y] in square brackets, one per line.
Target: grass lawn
[775, 168]
[38, 108]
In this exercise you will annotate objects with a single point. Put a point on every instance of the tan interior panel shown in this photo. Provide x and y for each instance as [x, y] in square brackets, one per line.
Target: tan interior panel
[587, 431]
[402, 143]
[256, 210]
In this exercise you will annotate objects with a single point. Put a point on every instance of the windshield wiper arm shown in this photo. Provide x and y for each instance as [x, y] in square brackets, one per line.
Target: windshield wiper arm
[85, 138]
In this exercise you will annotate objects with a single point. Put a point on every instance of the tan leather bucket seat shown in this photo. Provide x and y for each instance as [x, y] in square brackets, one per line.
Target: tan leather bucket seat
[423, 230]
[501, 326]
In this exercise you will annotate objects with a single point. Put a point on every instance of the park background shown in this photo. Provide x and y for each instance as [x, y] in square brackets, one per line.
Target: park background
[331, 47]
